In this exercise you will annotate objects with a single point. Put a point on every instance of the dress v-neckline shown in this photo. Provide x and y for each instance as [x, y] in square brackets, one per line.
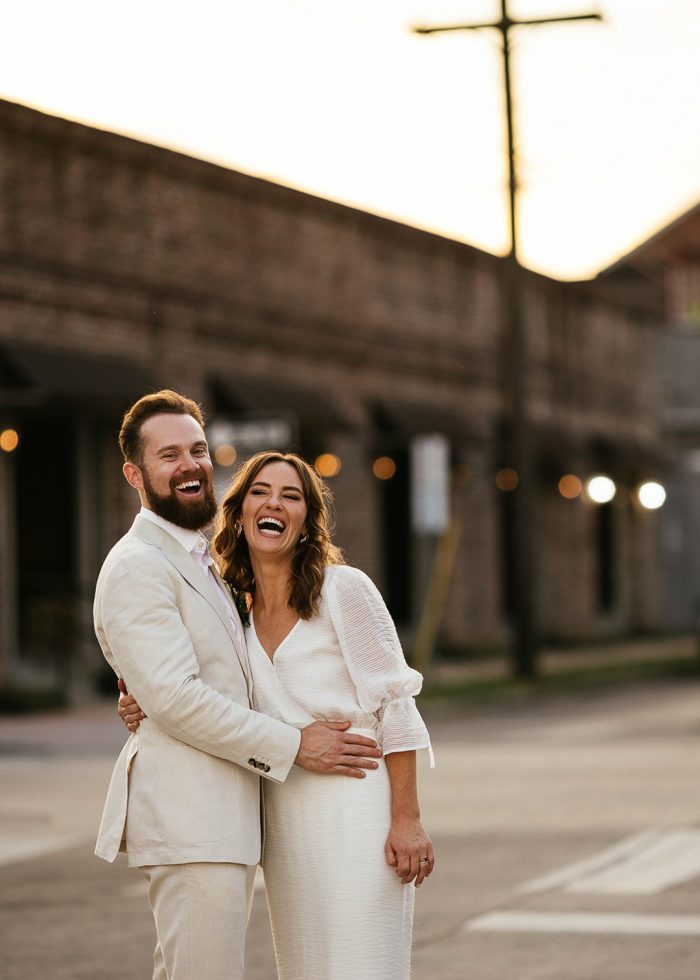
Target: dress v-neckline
[272, 657]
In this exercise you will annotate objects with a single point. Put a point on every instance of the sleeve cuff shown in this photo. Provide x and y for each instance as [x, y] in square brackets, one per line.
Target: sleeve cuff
[401, 728]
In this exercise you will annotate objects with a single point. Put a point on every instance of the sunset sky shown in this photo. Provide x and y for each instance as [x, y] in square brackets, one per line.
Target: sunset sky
[341, 100]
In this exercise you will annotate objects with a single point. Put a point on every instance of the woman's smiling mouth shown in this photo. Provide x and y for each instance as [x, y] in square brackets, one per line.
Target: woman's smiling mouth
[271, 527]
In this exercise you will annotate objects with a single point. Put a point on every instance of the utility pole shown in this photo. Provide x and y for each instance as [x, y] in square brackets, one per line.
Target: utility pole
[521, 442]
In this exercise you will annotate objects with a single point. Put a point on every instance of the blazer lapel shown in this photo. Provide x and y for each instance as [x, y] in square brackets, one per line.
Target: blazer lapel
[154, 534]
[239, 637]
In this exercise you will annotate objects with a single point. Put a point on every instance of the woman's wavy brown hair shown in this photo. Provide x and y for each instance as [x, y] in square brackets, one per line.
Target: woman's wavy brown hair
[311, 556]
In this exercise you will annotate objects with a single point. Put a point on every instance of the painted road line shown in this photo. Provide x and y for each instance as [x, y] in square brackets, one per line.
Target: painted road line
[604, 859]
[617, 924]
[643, 864]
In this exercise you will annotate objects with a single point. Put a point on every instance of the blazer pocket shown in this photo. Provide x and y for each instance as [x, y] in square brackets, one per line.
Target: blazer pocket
[198, 796]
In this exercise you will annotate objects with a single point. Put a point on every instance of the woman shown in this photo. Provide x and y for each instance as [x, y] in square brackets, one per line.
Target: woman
[339, 853]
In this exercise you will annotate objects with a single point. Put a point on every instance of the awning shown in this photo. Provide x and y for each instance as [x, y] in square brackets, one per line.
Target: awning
[557, 446]
[315, 409]
[408, 418]
[40, 375]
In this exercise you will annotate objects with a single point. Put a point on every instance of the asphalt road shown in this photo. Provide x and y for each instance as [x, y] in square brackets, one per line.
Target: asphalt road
[567, 833]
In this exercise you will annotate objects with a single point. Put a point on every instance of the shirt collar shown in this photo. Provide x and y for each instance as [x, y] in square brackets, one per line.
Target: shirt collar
[190, 540]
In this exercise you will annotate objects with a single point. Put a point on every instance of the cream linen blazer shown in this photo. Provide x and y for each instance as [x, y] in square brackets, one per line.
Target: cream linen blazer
[186, 785]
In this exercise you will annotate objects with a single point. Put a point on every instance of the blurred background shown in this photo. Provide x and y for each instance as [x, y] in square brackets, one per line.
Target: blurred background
[457, 269]
[309, 229]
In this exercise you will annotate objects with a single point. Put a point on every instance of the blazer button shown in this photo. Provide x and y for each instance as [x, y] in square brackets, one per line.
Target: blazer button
[253, 763]
[265, 768]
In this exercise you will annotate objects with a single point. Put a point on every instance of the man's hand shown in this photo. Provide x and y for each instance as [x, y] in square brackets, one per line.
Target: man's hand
[327, 747]
[128, 709]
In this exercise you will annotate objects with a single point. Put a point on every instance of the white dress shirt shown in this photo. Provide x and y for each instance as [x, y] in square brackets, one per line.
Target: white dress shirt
[196, 545]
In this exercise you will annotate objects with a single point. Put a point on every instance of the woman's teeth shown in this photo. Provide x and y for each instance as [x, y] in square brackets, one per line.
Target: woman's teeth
[270, 527]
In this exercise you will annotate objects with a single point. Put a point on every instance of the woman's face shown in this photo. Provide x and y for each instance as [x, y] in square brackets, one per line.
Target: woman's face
[274, 511]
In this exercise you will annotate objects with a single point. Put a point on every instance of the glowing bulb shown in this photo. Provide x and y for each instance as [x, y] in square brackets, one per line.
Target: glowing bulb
[384, 468]
[328, 465]
[225, 455]
[570, 486]
[601, 489]
[9, 440]
[651, 495]
[507, 479]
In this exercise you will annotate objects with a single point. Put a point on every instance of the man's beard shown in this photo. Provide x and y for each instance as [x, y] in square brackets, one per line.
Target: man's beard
[192, 516]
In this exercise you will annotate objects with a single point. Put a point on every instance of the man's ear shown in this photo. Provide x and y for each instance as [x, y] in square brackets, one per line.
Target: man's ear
[133, 475]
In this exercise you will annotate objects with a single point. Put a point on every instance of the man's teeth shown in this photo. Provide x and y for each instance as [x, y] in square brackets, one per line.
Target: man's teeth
[188, 485]
[270, 526]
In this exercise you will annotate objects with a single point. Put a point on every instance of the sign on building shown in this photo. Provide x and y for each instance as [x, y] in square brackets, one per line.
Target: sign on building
[430, 483]
[251, 435]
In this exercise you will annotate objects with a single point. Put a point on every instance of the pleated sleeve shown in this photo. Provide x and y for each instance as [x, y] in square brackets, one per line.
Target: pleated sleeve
[386, 686]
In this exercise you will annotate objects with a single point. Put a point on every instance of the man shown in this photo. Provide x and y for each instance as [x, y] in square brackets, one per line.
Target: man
[184, 797]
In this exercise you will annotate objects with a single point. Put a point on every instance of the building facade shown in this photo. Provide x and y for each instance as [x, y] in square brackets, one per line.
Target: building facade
[313, 326]
[668, 265]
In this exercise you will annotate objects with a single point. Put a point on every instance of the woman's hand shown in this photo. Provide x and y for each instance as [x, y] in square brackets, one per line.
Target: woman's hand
[409, 850]
[128, 708]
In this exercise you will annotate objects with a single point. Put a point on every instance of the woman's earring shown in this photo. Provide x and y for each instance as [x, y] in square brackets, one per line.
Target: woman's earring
[304, 539]
[238, 528]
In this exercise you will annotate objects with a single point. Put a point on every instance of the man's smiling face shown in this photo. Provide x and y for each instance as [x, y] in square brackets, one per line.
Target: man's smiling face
[175, 476]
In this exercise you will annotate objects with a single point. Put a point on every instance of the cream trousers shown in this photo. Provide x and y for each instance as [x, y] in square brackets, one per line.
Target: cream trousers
[201, 913]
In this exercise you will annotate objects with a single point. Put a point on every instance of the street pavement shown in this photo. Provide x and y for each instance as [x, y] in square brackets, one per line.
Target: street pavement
[567, 834]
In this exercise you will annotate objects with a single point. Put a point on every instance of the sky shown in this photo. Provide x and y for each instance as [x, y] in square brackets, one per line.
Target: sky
[343, 101]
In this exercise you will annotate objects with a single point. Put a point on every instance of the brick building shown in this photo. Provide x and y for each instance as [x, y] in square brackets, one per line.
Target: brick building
[668, 266]
[128, 267]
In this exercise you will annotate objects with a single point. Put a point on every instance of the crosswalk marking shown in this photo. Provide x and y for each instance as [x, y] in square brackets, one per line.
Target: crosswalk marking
[586, 922]
[643, 864]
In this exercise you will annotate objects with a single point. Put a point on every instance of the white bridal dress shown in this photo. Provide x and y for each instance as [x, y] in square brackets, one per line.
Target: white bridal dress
[338, 910]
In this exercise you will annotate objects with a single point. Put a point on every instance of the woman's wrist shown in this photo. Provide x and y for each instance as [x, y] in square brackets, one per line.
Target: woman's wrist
[405, 816]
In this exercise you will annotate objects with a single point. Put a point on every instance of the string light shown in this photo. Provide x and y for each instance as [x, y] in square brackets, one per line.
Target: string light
[328, 464]
[570, 486]
[225, 454]
[600, 489]
[507, 479]
[9, 440]
[384, 468]
[651, 495]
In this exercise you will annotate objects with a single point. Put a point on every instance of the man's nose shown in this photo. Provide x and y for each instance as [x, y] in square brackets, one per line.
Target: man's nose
[188, 462]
